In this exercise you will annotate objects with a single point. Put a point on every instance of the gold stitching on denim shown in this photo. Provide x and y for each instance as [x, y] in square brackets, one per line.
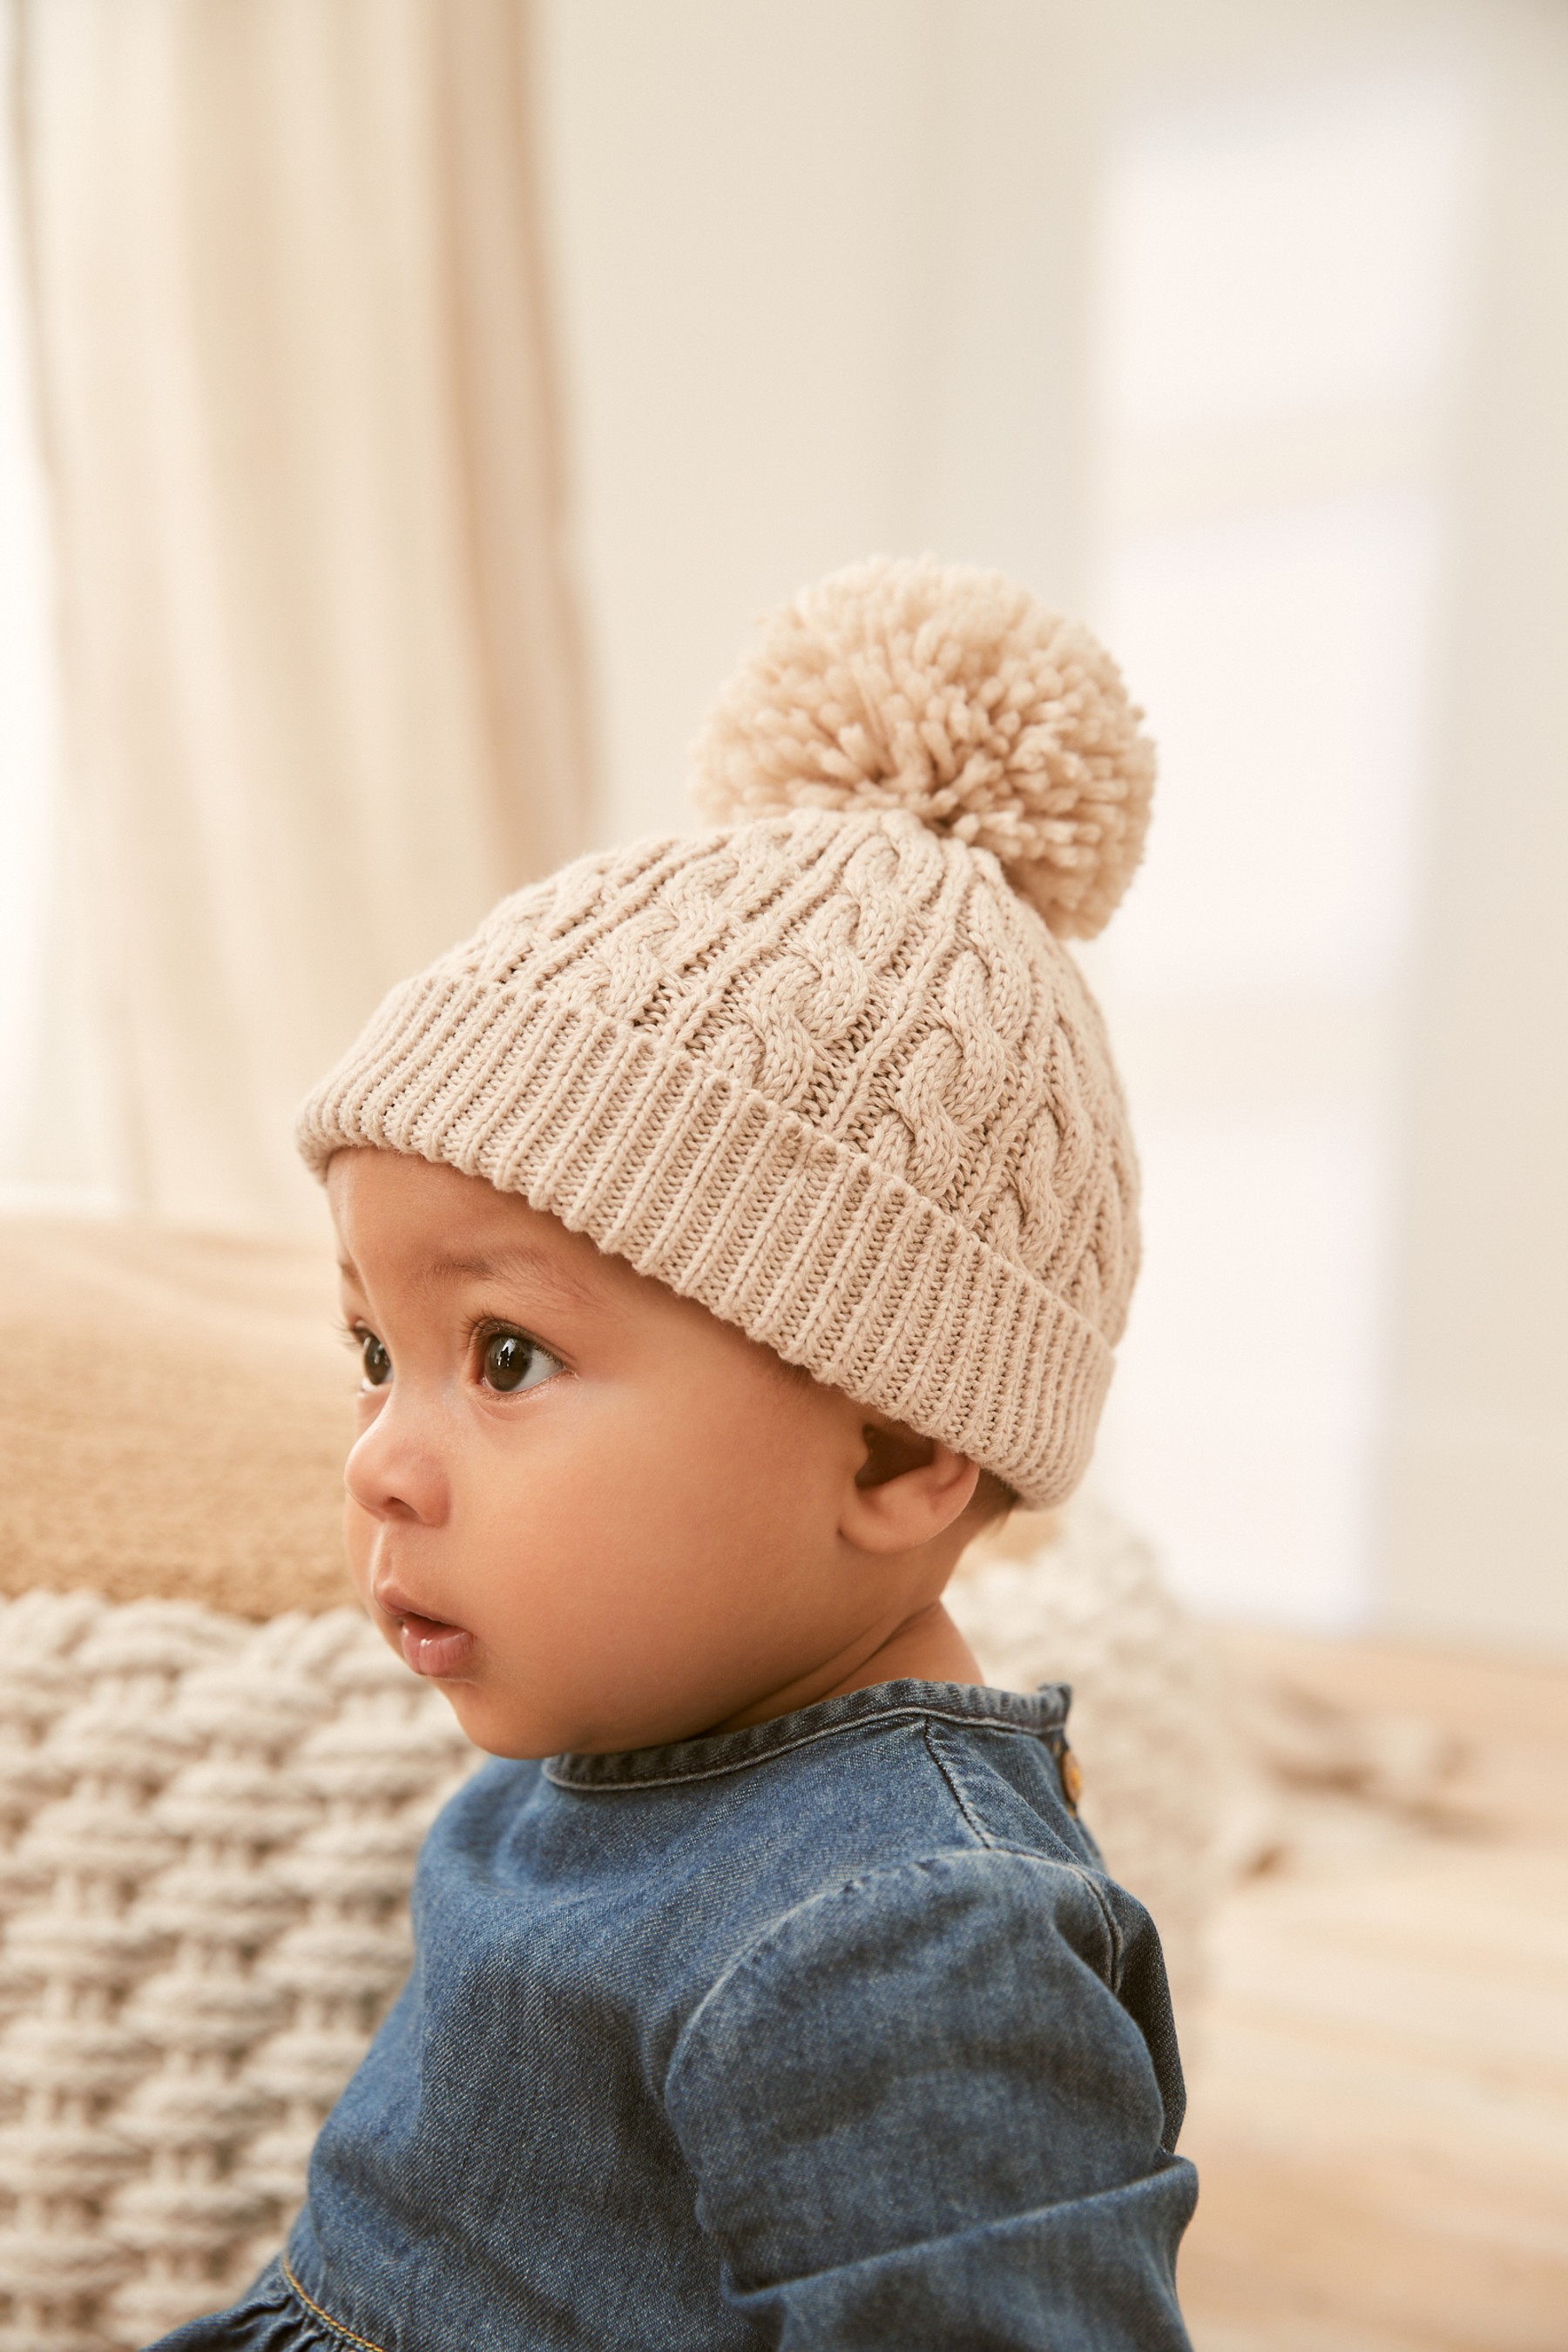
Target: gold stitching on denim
[956, 1790]
[335, 2325]
[767, 1755]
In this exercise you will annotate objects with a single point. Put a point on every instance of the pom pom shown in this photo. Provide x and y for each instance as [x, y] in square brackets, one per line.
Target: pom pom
[949, 692]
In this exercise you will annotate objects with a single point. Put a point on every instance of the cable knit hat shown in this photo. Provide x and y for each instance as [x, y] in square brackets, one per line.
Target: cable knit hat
[826, 1068]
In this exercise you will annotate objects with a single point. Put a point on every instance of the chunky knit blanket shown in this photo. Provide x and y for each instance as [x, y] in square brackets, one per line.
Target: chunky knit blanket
[208, 1829]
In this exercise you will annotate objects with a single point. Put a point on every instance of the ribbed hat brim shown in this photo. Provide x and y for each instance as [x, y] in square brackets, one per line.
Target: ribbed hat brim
[810, 1247]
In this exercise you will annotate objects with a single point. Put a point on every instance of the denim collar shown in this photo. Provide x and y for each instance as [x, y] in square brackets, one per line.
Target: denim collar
[1041, 1712]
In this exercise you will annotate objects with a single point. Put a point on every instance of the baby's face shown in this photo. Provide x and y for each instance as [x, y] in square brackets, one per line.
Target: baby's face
[597, 1515]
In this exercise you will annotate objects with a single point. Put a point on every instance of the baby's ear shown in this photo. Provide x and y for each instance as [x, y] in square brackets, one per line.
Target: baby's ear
[908, 1488]
[891, 1451]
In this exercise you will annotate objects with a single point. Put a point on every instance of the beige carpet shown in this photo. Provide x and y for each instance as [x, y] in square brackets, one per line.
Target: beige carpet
[1380, 2079]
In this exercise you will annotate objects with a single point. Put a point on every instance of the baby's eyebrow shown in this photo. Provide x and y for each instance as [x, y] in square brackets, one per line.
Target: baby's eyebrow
[519, 1261]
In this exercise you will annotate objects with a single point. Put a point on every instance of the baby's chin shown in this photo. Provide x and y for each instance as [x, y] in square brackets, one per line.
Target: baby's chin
[518, 1734]
[525, 1728]
[504, 1723]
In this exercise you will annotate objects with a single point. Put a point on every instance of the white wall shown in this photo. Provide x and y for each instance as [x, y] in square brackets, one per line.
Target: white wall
[52, 1148]
[1475, 1525]
[1283, 267]
[1242, 327]
[1176, 312]
[26, 696]
[794, 333]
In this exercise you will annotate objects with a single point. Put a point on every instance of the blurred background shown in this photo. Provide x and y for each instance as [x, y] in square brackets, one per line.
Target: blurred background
[405, 408]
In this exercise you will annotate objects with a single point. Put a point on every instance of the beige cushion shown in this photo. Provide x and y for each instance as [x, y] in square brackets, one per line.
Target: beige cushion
[175, 1410]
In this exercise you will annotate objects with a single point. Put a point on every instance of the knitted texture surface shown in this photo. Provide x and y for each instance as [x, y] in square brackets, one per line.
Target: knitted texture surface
[949, 692]
[209, 1831]
[827, 1072]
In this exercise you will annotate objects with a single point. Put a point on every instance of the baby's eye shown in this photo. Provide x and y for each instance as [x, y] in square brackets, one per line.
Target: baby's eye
[511, 1360]
[377, 1363]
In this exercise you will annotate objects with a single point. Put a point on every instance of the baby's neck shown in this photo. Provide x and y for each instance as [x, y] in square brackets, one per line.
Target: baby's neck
[927, 1647]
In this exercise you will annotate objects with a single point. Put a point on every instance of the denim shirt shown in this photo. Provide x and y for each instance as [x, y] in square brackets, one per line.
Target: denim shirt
[828, 2032]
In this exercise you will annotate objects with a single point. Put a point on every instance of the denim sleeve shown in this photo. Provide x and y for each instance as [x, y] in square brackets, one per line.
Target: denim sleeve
[917, 2113]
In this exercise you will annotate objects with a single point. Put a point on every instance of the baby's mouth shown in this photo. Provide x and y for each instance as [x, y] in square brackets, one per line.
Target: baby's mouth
[430, 1646]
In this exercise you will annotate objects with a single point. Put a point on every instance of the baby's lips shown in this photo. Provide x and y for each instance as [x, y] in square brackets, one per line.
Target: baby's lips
[393, 1601]
[435, 1649]
[429, 1644]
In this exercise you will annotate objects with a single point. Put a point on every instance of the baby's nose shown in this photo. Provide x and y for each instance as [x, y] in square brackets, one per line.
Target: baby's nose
[394, 1471]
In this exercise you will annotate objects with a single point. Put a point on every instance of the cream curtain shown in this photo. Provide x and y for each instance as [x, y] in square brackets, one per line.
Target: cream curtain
[321, 692]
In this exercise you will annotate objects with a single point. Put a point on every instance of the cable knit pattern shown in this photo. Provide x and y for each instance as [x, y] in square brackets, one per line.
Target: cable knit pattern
[827, 1074]
[826, 1071]
[209, 1831]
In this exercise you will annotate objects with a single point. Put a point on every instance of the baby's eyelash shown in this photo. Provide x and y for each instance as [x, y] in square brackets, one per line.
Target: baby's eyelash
[508, 1359]
[483, 1326]
[486, 1327]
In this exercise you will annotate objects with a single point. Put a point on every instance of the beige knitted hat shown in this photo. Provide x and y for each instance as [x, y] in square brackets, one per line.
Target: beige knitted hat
[826, 1068]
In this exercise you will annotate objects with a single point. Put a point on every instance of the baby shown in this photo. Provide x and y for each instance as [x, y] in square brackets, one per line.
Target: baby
[730, 1230]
